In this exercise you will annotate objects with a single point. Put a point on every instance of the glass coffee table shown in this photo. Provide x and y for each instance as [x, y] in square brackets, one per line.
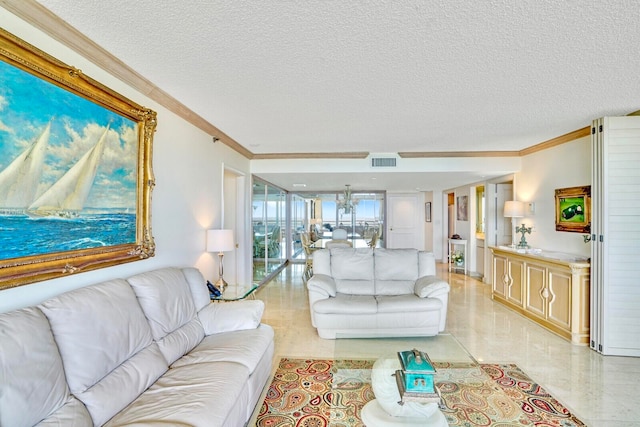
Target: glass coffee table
[237, 293]
[386, 409]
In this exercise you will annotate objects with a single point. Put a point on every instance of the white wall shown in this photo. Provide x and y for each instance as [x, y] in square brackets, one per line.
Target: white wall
[567, 165]
[185, 202]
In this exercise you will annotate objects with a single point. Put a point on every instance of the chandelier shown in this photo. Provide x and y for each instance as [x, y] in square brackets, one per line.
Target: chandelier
[346, 203]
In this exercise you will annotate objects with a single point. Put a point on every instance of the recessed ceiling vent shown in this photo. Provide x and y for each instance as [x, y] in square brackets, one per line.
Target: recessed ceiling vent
[383, 162]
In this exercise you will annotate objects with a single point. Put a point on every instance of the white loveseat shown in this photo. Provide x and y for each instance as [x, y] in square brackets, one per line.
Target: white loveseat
[363, 292]
[149, 350]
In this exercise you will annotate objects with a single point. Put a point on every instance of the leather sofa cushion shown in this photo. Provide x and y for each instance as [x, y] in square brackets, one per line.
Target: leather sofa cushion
[427, 264]
[396, 264]
[406, 303]
[165, 298]
[346, 303]
[201, 394]
[244, 347]
[106, 345]
[32, 382]
[231, 316]
[395, 287]
[352, 264]
[352, 270]
[198, 286]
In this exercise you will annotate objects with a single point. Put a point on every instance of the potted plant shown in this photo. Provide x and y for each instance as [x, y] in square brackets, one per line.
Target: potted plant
[457, 258]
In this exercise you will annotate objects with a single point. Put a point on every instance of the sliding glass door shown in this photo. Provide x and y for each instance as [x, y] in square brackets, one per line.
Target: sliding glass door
[269, 221]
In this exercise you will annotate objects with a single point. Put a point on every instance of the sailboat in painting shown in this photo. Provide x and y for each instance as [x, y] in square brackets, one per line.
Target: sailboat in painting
[66, 197]
[20, 179]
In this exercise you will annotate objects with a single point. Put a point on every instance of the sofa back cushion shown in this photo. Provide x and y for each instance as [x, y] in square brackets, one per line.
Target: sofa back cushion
[106, 345]
[32, 382]
[352, 270]
[396, 271]
[427, 264]
[165, 298]
[322, 262]
[198, 286]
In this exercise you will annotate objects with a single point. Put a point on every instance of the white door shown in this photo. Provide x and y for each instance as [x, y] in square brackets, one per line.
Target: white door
[233, 218]
[504, 226]
[405, 222]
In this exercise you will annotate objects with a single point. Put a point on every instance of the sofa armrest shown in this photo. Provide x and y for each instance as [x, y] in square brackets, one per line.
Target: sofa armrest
[323, 284]
[220, 317]
[430, 286]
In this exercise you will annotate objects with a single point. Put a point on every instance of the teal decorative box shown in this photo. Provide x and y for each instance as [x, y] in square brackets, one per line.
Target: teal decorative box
[416, 379]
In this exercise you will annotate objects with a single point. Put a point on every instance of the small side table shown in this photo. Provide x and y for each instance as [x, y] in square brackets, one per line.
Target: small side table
[237, 293]
[452, 248]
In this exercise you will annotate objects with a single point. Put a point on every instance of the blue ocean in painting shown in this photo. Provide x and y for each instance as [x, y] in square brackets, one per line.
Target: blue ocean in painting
[48, 235]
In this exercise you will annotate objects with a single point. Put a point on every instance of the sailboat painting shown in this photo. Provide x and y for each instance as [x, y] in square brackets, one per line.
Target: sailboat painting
[75, 170]
[67, 170]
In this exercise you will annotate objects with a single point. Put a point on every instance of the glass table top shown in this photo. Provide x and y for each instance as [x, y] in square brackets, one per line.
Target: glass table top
[440, 348]
[236, 292]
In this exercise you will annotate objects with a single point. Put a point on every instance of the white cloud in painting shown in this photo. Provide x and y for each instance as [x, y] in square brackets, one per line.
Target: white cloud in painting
[5, 128]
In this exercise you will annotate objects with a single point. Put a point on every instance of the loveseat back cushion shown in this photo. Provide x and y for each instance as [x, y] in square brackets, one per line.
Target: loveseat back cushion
[198, 286]
[396, 271]
[106, 345]
[427, 264]
[165, 298]
[32, 382]
[352, 270]
[322, 262]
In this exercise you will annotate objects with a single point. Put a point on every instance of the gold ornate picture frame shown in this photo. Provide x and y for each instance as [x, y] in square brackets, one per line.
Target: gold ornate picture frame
[75, 170]
[573, 209]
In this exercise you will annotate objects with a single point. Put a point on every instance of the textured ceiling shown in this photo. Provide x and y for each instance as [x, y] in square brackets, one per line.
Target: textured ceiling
[305, 76]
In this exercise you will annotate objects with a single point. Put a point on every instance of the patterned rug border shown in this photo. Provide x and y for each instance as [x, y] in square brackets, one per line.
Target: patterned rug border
[309, 392]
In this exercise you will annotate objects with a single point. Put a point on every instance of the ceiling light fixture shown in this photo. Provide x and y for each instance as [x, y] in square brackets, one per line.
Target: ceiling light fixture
[346, 203]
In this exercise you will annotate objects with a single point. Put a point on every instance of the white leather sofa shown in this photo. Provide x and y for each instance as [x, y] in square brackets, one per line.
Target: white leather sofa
[363, 292]
[149, 350]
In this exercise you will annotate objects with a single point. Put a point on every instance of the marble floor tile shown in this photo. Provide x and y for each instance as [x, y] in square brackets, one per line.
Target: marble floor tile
[600, 390]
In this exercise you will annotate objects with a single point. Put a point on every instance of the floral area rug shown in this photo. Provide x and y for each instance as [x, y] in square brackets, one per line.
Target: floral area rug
[319, 393]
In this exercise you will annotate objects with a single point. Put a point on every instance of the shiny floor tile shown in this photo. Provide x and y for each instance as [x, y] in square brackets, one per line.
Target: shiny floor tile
[600, 390]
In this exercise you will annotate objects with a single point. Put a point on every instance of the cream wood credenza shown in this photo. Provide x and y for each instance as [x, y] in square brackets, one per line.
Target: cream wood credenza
[550, 288]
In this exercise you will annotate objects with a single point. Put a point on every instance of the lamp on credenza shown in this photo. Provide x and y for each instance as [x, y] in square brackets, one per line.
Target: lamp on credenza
[220, 241]
[516, 209]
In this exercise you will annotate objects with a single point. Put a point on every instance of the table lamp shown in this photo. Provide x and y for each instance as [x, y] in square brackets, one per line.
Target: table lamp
[515, 209]
[220, 241]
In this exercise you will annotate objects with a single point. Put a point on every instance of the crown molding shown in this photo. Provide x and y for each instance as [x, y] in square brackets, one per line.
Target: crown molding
[346, 155]
[46, 21]
[554, 142]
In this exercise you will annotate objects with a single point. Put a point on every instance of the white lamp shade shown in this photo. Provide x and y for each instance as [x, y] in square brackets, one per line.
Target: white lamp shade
[513, 209]
[220, 240]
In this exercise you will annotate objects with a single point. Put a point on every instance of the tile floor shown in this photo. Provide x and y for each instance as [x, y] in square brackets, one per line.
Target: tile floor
[601, 391]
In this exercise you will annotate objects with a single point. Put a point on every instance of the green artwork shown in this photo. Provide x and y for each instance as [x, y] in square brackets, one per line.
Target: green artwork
[572, 209]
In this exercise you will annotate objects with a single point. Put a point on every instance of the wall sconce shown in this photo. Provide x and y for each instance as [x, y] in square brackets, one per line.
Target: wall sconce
[220, 241]
[515, 209]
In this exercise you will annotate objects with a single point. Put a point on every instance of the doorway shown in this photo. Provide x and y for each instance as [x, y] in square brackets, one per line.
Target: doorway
[233, 218]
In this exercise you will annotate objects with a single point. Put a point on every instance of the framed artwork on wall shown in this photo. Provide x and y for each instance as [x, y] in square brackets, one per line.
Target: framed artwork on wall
[463, 208]
[573, 209]
[427, 212]
[75, 170]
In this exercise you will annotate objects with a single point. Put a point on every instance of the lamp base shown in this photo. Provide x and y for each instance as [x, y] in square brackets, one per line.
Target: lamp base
[523, 242]
[221, 284]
